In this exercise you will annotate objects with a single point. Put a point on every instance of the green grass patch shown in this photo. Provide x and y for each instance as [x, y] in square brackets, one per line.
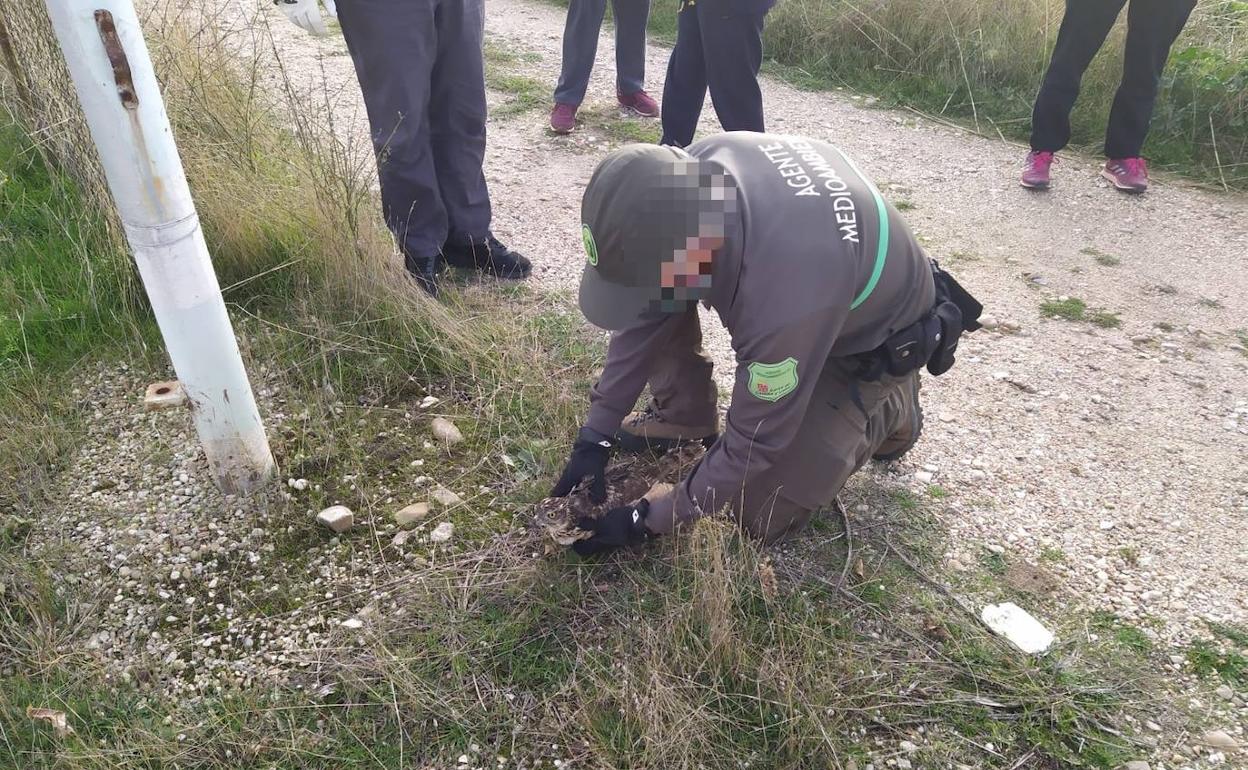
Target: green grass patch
[1229, 631]
[1122, 633]
[1106, 260]
[1208, 659]
[1072, 309]
[1052, 554]
[64, 286]
[525, 93]
[1075, 309]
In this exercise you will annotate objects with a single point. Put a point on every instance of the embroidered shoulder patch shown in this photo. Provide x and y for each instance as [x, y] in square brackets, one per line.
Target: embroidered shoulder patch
[772, 382]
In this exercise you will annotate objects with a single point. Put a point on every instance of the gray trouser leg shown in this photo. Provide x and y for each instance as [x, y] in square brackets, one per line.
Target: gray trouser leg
[420, 70]
[630, 44]
[393, 44]
[847, 422]
[457, 115]
[680, 377]
[580, 44]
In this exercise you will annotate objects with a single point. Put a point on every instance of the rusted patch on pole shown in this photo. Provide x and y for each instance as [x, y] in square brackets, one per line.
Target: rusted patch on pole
[117, 58]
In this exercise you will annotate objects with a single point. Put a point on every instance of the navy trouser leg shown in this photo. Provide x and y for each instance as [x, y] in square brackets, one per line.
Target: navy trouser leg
[732, 44]
[457, 115]
[684, 91]
[1152, 26]
[1080, 36]
[580, 44]
[630, 44]
[394, 44]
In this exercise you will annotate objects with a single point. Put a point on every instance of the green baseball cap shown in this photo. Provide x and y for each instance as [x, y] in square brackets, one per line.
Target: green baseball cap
[640, 208]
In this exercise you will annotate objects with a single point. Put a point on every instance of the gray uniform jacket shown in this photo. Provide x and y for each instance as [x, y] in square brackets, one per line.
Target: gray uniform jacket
[822, 268]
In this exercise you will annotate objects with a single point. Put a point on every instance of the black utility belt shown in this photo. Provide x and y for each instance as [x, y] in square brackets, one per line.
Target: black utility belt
[931, 341]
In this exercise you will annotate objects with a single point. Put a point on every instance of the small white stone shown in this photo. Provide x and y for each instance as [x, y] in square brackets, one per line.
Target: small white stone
[1219, 739]
[338, 518]
[442, 532]
[978, 475]
[1018, 626]
[908, 746]
[1225, 692]
[400, 538]
[947, 417]
[445, 430]
[445, 497]
[923, 477]
[411, 514]
[1136, 765]
[997, 549]
[297, 484]
[352, 623]
[429, 401]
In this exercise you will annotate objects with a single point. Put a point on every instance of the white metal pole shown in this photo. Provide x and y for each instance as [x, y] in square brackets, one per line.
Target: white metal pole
[112, 72]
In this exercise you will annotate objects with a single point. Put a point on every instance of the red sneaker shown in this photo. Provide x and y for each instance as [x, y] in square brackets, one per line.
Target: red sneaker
[563, 118]
[1128, 174]
[1036, 170]
[639, 102]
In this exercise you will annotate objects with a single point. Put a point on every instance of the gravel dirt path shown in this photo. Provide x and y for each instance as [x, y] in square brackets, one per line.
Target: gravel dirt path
[1116, 456]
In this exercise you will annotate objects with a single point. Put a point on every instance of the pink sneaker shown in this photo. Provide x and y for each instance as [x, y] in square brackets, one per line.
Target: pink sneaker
[639, 102]
[1036, 170]
[1128, 174]
[563, 118]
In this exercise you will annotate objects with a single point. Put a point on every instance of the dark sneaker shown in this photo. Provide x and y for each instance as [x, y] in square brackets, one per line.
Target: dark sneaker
[563, 118]
[646, 430]
[1128, 174]
[1036, 170]
[424, 270]
[639, 102]
[489, 256]
[904, 439]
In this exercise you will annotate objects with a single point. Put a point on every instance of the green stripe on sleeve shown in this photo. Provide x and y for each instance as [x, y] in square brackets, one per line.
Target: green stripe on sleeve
[881, 252]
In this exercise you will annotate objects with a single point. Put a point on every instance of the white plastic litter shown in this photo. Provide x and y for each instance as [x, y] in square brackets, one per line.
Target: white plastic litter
[1018, 626]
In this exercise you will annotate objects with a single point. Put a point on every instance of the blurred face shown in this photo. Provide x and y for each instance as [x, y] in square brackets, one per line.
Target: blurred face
[690, 267]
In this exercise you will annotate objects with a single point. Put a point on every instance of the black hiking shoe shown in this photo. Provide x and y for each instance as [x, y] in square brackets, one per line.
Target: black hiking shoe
[488, 256]
[424, 271]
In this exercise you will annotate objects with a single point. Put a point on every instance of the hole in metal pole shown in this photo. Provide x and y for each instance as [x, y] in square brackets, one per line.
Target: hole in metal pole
[117, 58]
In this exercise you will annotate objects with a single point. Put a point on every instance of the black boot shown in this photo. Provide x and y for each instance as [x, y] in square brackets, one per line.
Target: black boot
[487, 255]
[424, 270]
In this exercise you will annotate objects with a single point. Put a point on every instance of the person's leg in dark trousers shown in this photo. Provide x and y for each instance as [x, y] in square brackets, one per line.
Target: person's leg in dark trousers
[1152, 26]
[1080, 36]
[848, 421]
[732, 45]
[684, 91]
[630, 44]
[457, 116]
[682, 390]
[394, 45]
[580, 45]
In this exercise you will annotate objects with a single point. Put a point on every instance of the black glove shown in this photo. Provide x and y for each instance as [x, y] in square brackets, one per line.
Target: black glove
[620, 527]
[589, 457]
